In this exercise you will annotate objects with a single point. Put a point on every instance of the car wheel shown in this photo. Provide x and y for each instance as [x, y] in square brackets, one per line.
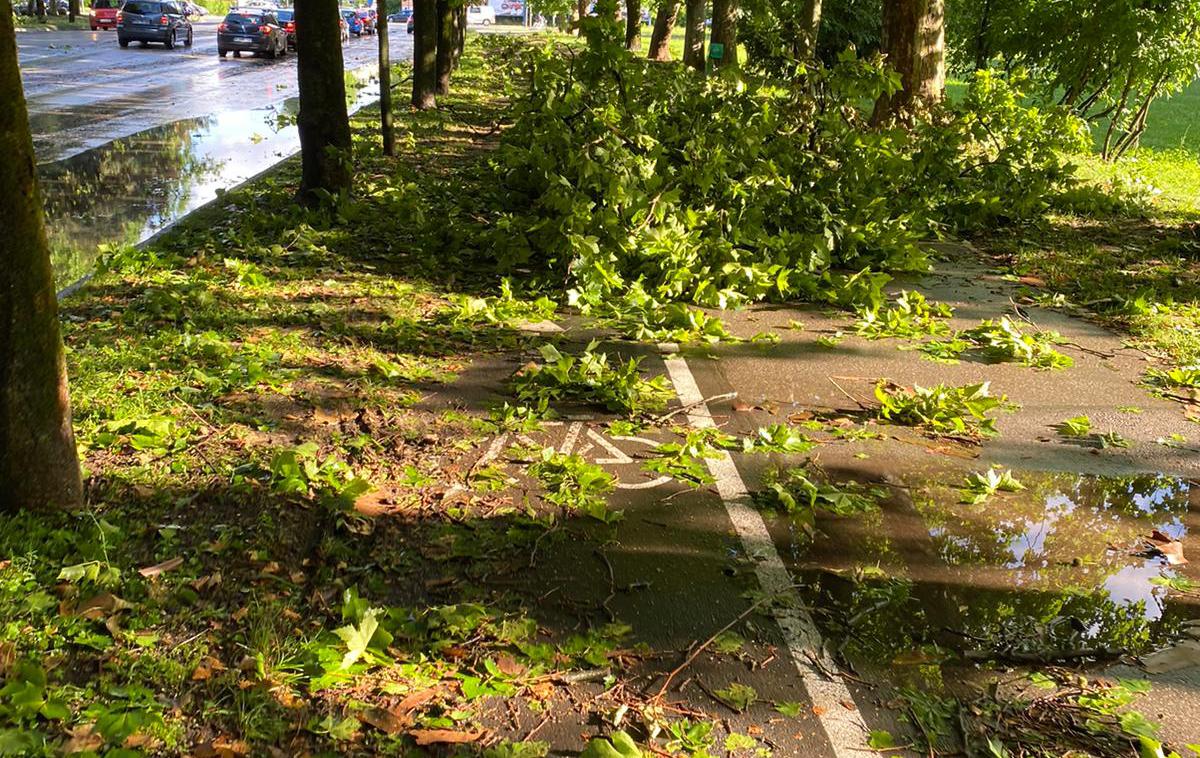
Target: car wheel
[188, 42]
[485, 22]
[221, 52]
[123, 42]
[171, 41]
[93, 28]
[273, 52]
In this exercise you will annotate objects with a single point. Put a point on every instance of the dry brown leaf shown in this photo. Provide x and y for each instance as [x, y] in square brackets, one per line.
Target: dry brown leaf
[444, 736]
[100, 606]
[510, 665]
[384, 720]
[83, 739]
[161, 568]
[206, 668]
[1162, 544]
[415, 700]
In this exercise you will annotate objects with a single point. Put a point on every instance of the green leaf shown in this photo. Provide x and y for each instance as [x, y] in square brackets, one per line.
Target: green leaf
[880, 739]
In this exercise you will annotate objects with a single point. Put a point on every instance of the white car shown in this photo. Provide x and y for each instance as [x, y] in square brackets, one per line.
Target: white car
[481, 15]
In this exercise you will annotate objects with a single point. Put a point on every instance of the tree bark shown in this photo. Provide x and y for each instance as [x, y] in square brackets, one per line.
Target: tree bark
[460, 35]
[385, 83]
[39, 468]
[664, 25]
[581, 12]
[323, 123]
[446, 45]
[915, 45]
[810, 29]
[693, 43]
[724, 32]
[633, 24]
[72, 10]
[425, 39]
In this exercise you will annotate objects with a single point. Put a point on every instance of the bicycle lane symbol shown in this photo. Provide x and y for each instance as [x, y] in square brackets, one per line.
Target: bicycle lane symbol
[579, 438]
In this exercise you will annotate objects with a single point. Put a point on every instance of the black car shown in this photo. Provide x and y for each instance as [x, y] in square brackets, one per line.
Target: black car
[151, 21]
[287, 19]
[251, 30]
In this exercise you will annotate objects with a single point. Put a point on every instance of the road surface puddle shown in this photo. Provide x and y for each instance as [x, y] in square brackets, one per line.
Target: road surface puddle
[125, 191]
[1071, 569]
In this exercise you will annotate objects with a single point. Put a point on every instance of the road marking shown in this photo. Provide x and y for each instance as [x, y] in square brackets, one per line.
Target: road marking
[843, 726]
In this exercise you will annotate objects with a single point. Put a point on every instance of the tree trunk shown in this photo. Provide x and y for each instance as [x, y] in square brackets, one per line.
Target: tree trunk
[915, 45]
[633, 24]
[810, 28]
[664, 24]
[446, 45]
[385, 84]
[581, 12]
[460, 35]
[425, 39]
[323, 124]
[72, 10]
[41, 8]
[39, 467]
[724, 32]
[693, 42]
[983, 51]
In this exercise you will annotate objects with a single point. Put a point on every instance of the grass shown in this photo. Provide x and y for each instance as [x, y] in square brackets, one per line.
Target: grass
[52, 23]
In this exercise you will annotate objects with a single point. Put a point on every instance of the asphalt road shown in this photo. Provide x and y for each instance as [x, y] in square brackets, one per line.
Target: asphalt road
[84, 91]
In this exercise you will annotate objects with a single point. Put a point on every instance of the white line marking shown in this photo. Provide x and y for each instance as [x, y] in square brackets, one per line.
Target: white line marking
[572, 435]
[844, 727]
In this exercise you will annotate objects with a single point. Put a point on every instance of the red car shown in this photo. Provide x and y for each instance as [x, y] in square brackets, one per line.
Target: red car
[103, 14]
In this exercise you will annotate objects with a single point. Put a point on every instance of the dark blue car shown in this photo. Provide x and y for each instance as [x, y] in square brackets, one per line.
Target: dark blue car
[353, 21]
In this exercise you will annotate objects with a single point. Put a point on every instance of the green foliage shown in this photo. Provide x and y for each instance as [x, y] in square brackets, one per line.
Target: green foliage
[980, 486]
[1003, 340]
[589, 377]
[941, 409]
[574, 484]
[504, 309]
[1079, 426]
[795, 491]
[619, 745]
[684, 460]
[911, 317]
[737, 696]
[777, 438]
[1104, 61]
[1181, 377]
[298, 471]
[642, 317]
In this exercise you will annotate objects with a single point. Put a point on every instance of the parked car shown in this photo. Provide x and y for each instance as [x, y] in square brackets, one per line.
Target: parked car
[194, 10]
[287, 19]
[103, 14]
[481, 15]
[352, 21]
[367, 17]
[251, 30]
[148, 21]
[403, 16]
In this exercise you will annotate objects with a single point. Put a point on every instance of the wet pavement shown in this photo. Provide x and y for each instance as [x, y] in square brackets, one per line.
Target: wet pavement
[130, 140]
[929, 595]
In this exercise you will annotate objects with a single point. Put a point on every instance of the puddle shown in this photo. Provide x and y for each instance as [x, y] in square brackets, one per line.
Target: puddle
[125, 191]
[1048, 573]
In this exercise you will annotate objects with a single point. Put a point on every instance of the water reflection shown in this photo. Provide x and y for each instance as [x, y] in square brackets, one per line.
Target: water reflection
[128, 189]
[1049, 571]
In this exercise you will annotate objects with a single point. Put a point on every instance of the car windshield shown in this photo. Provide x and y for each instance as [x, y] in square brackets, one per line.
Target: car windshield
[142, 8]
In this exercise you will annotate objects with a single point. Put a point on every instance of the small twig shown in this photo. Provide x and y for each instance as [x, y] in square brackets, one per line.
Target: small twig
[545, 720]
[612, 584]
[684, 408]
[703, 646]
[852, 398]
